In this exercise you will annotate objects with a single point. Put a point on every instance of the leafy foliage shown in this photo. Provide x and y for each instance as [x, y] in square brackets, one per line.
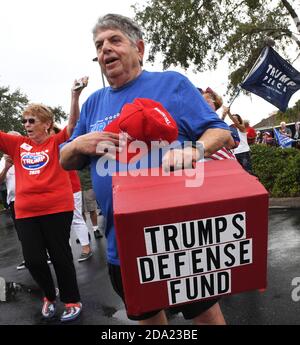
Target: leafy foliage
[58, 113]
[290, 115]
[200, 33]
[288, 182]
[277, 169]
[12, 105]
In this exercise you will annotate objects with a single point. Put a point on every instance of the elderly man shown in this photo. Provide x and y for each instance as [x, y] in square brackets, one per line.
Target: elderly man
[120, 50]
[284, 130]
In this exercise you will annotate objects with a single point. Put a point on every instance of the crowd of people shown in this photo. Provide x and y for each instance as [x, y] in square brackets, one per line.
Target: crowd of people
[268, 137]
[47, 200]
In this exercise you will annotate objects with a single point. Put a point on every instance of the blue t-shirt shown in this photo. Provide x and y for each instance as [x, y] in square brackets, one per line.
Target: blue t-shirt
[175, 92]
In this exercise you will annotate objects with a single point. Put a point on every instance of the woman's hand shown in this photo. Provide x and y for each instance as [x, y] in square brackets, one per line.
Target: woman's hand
[79, 85]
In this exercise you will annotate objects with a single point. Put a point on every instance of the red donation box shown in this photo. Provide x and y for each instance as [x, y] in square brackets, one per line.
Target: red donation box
[180, 244]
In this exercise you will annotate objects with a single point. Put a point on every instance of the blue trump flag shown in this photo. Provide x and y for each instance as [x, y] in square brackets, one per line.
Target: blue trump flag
[282, 140]
[273, 79]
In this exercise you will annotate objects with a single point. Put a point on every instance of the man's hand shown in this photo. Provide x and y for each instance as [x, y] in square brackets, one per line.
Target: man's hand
[75, 154]
[8, 161]
[99, 144]
[181, 158]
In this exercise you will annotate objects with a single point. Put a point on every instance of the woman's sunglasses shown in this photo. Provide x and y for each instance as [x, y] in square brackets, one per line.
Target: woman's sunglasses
[30, 120]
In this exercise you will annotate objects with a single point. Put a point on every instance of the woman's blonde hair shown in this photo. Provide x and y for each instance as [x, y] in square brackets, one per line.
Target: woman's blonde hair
[43, 113]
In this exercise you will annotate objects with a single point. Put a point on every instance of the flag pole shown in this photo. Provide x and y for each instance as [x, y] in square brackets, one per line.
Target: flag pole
[102, 75]
[103, 81]
[238, 90]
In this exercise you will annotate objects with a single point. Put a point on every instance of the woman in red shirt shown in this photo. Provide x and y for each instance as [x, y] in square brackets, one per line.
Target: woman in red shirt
[44, 207]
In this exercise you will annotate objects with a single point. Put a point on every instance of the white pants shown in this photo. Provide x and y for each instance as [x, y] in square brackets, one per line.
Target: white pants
[78, 223]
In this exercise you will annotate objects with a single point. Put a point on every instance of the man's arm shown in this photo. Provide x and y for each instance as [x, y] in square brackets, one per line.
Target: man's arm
[70, 159]
[77, 88]
[212, 140]
[75, 154]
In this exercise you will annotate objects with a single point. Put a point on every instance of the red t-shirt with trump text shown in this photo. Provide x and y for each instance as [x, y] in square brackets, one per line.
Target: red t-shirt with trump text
[42, 186]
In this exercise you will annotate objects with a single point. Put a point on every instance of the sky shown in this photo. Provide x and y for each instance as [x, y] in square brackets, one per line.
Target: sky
[46, 44]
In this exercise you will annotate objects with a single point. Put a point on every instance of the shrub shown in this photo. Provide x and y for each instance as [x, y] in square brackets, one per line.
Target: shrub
[277, 169]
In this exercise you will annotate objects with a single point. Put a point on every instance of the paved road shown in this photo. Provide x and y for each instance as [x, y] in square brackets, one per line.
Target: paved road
[103, 307]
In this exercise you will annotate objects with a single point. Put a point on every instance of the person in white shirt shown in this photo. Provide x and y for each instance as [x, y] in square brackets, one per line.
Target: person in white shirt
[242, 152]
[7, 175]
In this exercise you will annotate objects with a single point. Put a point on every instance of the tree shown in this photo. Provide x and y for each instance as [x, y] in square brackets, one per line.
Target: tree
[59, 114]
[200, 33]
[12, 105]
[291, 114]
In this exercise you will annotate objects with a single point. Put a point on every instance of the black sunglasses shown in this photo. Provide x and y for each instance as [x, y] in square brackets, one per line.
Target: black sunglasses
[31, 121]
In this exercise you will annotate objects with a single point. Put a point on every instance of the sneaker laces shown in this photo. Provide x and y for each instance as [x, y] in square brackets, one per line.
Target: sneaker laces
[71, 312]
[72, 305]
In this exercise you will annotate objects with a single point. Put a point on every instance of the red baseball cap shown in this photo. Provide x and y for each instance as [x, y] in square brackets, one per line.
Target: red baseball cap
[145, 120]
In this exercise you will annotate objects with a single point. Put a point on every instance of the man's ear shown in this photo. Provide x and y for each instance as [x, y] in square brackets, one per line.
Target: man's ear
[141, 49]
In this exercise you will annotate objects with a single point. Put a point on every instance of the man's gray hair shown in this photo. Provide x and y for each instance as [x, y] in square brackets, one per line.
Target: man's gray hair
[119, 22]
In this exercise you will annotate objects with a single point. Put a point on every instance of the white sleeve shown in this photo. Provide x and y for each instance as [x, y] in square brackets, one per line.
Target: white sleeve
[2, 163]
